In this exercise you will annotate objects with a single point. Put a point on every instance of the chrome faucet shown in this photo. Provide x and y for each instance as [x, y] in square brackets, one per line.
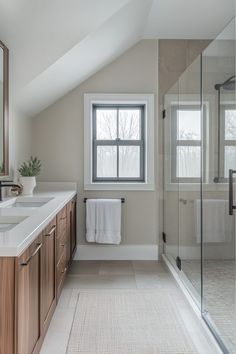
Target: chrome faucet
[4, 184]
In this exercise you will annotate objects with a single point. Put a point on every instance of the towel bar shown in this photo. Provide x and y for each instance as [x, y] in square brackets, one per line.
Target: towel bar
[122, 199]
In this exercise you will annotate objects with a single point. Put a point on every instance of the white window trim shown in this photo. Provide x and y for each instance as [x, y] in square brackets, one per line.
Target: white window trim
[145, 99]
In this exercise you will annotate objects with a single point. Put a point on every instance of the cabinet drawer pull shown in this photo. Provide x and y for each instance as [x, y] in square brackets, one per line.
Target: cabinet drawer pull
[63, 218]
[51, 231]
[62, 244]
[39, 245]
[64, 270]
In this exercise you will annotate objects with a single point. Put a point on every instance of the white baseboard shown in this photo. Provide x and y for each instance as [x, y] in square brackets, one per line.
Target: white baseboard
[113, 252]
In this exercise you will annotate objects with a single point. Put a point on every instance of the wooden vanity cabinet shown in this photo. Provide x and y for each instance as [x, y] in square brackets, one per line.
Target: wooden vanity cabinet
[31, 284]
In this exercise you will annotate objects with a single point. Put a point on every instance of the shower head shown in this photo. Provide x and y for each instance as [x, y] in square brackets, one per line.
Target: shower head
[229, 84]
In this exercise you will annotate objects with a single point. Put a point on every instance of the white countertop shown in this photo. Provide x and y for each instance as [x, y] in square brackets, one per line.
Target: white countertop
[17, 239]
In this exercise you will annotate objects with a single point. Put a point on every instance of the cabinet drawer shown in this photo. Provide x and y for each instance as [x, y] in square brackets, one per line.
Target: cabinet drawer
[29, 253]
[61, 217]
[61, 247]
[61, 272]
[50, 226]
[61, 223]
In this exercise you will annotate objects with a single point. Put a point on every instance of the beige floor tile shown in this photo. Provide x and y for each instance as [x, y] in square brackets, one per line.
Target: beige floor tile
[55, 343]
[142, 267]
[100, 282]
[116, 268]
[85, 267]
[62, 320]
[68, 299]
[112, 276]
[155, 281]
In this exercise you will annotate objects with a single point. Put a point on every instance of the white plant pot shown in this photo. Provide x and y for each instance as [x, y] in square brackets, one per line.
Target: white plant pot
[28, 184]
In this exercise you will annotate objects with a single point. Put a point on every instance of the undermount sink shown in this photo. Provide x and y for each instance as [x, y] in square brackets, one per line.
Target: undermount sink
[29, 202]
[9, 222]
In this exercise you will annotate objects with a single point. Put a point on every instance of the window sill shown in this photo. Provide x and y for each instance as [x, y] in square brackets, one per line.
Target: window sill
[119, 186]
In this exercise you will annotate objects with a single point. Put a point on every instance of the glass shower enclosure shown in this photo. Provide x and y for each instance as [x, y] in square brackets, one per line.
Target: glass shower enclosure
[199, 184]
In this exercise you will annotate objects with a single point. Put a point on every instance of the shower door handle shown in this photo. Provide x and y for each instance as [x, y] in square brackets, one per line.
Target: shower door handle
[231, 192]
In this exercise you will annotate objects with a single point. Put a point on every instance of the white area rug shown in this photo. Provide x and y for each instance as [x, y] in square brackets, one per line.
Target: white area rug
[131, 322]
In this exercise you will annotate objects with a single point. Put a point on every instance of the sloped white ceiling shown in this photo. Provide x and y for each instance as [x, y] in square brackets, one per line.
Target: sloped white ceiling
[99, 48]
[188, 19]
[57, 44]
[38, 32]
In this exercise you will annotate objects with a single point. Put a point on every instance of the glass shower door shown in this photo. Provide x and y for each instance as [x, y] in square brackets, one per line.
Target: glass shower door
[190, 132]
[171, 187]
[219, 192]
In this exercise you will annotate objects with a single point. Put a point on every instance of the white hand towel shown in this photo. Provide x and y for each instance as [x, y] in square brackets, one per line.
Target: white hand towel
[91, 220]
[108, 221]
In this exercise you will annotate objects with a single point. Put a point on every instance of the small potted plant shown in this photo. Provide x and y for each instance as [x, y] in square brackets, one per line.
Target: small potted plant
[28, 171]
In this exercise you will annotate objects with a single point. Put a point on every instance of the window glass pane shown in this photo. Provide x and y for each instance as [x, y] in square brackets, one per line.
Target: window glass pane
[230, 159]
[129, 161]
[129, 124]
[106, 161]
[230, 124]
[188, 161]
[106, 124]
[188, 125]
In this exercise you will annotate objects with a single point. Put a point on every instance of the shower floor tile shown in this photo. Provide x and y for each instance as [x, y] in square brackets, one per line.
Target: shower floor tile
[219, 293]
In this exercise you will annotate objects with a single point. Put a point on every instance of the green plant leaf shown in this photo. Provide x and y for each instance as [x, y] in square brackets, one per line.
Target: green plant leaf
[30, 168]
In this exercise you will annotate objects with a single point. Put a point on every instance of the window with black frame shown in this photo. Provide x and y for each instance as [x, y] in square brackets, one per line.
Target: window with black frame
[118, 143]
[186, 141]
[227, 140]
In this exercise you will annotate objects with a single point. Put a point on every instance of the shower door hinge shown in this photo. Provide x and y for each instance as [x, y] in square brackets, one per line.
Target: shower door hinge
[164, 237]
[178, 262]
[163, 113]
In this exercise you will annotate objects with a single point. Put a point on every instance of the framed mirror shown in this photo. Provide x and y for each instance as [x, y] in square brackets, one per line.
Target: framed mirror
[4, 97]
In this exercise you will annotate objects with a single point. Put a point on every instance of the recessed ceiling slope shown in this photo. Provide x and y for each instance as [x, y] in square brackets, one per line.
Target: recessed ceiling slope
[98, 49]
[191, 19]
[55, 45]
[38, 32]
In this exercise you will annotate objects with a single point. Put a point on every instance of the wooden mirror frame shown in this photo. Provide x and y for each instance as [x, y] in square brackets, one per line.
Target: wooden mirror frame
[5, 110]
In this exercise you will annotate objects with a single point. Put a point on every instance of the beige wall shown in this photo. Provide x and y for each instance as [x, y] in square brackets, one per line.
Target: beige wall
[20, 134]
[58, 139]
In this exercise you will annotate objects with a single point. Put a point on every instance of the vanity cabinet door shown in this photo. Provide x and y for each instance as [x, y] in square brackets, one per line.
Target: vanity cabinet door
[68, 233]
[61, 250]
[73, 227]
[48, 273]
[7, 302]
[29, 299]
[61, 238]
